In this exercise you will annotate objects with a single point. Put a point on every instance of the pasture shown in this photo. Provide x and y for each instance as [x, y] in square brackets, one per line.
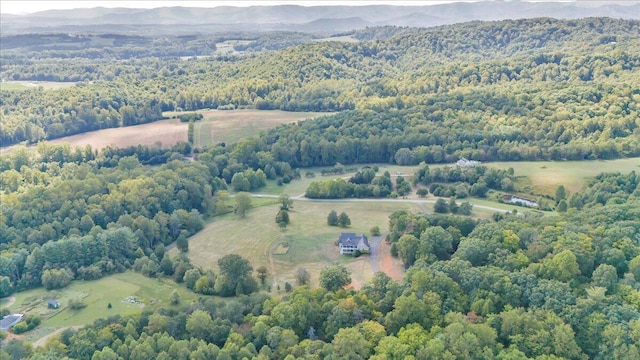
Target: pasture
[230, 126]
[546, 176]
[118, 289]
[216, 127]
[163, 132]
[24, 85]
[311, 242]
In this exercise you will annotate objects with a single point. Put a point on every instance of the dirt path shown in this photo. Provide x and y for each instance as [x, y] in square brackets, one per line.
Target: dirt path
[375, 250]
[388, 264]
[10, 301]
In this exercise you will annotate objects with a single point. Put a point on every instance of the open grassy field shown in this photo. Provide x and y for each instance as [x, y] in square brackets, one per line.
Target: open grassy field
[310, 239]
[22, 85]
[232, 126]
[216, 127]
[164, 132]
[546, 176]
[97, 295]
[543, 176]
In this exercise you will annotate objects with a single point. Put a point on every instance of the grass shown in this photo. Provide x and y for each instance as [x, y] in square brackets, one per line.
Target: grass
[232, 126]
[311, 240]
[97, 295]
[546, 176]
[23, 85]
[6, 86]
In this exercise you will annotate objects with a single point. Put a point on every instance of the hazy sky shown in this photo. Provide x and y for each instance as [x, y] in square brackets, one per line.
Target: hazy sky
[27, 6]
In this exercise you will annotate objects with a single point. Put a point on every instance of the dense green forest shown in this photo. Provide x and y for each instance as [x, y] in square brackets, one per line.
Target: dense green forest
[527, 285]
[523, 89]
[519, 287]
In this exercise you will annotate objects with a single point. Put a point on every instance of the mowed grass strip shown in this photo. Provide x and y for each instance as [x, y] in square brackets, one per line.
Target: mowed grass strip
[311, 241]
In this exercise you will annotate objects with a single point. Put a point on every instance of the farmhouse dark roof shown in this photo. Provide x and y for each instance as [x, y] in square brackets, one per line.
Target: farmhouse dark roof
[8, 321]
[53, 303]
[351, 239]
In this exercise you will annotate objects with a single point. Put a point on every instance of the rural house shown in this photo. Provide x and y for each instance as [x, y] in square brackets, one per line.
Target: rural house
[350, 242]
[53, 304]
[8, 321]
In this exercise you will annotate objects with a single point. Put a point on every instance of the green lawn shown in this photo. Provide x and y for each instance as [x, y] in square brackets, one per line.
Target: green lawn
[97, 295]
[23, 85]
[311, 240]
[7, 86]
[546, 176]
[232, 126]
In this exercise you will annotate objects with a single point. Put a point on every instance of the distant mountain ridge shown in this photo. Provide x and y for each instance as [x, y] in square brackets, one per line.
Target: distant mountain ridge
[322, 19]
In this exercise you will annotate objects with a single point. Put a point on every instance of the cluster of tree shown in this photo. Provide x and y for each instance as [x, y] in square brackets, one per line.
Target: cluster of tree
[442, 207]
[248, 180]
[235, 278]
[189, 117]
[603, 189]
[342, 220]
[361, 185]
[30, 322]
[480, 176]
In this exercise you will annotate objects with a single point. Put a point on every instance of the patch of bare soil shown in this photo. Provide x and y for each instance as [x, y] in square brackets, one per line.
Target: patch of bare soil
[388, 264]
[166, 132]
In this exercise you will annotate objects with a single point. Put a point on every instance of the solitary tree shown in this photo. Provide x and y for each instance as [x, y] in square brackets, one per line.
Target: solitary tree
[465, 208]
[302, 276]
[562, 206]
[236, 275]
[182, 243]
[453, 206]
[441, 206]
[282, 218]
[285, 201]
[334, 277]
[344, 220]
[175, 297]
[561, 193]
[332, 219]
[375, 230]
[262, 274]
[243, 203]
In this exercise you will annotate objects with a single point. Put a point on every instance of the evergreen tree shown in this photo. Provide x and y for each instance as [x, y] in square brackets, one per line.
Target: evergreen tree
[332, 219]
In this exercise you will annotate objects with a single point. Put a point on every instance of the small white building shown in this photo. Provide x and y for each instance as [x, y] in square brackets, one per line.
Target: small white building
[463, 162]
[350, 242]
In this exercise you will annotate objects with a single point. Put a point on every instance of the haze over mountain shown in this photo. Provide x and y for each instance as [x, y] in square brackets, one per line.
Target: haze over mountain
[321, 19]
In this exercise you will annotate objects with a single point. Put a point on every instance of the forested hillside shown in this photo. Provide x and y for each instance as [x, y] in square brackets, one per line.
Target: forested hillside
[509, 285]
[534, 89]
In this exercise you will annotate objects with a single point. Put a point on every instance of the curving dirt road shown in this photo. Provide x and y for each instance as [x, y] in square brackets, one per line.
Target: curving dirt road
[10, 301]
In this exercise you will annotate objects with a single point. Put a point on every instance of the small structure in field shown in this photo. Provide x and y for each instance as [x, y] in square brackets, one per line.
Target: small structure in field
[350, 242]
[463, 162]
[53, 304]
[519, 201]
[8, 321]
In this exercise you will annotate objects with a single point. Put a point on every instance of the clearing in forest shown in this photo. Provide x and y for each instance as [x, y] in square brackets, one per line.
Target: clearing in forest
[311, 241]
[230, 126]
